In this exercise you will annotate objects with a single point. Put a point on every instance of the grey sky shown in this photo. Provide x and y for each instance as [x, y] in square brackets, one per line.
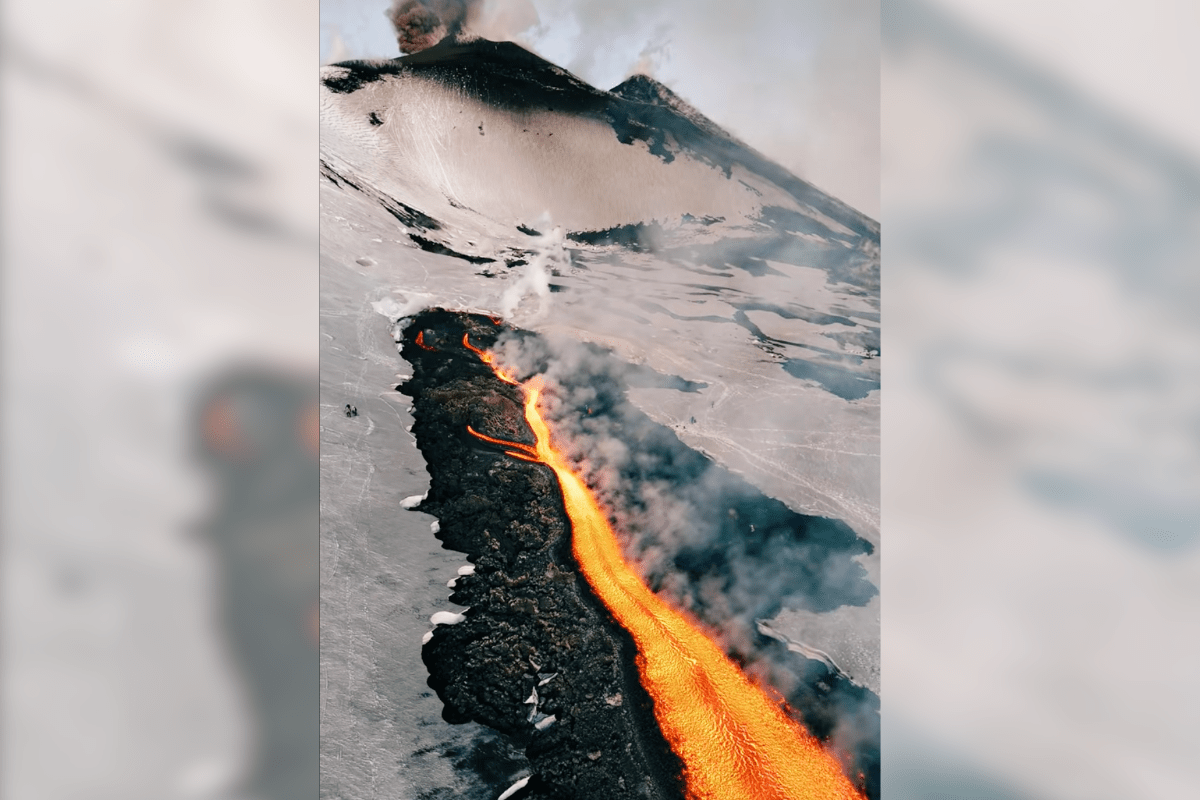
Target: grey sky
[796, 79]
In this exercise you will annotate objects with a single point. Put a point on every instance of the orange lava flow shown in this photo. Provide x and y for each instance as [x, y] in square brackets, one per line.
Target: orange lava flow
[421, 341]
[487, 358]
[484, 355]
[734, 741]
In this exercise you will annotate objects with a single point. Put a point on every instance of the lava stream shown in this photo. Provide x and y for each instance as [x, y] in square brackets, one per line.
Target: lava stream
[734, 741]
[487, 358]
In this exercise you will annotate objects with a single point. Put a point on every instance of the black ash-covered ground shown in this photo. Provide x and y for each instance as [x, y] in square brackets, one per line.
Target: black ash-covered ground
[531, 614]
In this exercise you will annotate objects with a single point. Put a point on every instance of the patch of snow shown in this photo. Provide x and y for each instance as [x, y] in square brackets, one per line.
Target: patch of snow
[451, 583]
[547, 679]
[466, 569]
[414, 501]
[425, 639]
[435, 526]
[533, 698]
[388, 308]
[516, 787]
[446, 618]
[545, 723]
[394, 310]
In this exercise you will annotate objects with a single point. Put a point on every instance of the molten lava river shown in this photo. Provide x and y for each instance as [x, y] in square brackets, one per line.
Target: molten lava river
[734, 741]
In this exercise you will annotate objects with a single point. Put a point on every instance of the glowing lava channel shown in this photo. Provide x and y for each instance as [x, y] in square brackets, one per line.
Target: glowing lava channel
[734, 741]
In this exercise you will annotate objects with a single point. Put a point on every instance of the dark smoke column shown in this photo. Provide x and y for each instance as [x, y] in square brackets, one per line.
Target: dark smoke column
[421, 24]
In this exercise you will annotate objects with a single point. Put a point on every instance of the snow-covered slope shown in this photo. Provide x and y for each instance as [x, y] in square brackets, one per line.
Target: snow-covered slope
[485, 136]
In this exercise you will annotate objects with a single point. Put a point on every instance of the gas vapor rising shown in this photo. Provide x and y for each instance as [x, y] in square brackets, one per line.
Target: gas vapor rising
[550, 255]
[702, 537]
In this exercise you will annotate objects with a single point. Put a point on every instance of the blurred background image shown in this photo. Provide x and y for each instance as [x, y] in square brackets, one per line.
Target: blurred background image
[159, 400]
[1041, 415]
[1041, 467]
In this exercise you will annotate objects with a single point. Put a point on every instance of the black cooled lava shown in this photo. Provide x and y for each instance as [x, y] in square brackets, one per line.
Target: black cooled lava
[531, 614]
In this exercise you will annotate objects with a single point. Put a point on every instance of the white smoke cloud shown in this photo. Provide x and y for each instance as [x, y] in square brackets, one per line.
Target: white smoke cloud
[551, 255]
[336, 49]
[502, 20]
[656, 52]
[659, 494]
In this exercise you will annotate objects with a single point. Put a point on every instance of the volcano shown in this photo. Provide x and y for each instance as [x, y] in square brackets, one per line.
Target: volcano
[707, 328]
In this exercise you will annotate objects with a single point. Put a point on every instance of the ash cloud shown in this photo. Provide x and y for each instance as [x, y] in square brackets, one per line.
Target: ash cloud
[420, 24]
[705, 539]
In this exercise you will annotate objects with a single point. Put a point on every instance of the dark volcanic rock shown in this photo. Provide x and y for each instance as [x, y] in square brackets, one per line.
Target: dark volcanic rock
[531, 615]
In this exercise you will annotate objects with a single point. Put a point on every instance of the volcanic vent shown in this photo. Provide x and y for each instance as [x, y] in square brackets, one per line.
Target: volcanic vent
[607, 685]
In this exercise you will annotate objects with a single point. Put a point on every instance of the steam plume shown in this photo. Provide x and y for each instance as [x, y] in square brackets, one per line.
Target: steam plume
[551, 257]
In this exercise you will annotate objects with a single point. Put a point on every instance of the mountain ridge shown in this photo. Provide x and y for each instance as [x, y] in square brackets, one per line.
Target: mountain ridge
[640, 109]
